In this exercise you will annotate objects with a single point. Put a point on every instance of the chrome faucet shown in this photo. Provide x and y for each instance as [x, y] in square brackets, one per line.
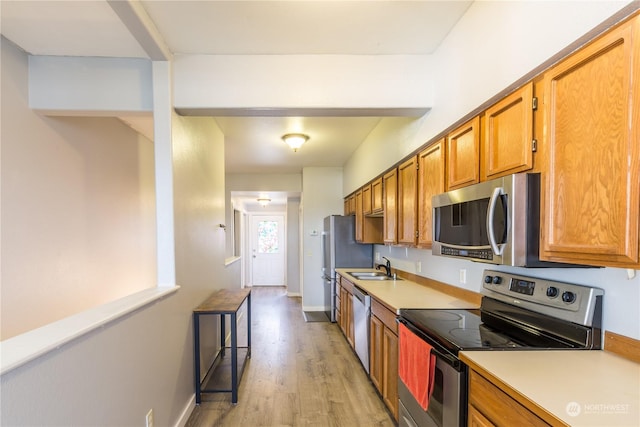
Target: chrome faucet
[386, 266]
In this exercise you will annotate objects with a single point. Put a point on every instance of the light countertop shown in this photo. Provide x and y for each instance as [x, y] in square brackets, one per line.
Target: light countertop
[577, 387]
[397, 294]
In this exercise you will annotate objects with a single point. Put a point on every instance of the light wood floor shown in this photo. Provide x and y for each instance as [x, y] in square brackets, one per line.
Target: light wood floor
[299, 374]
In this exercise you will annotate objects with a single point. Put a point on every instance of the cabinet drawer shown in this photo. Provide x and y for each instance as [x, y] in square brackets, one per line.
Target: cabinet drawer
[497, 406]
[387, 316]
[347, 285]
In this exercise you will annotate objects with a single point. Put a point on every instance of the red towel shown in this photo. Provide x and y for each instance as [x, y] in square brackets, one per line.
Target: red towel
[416, 366]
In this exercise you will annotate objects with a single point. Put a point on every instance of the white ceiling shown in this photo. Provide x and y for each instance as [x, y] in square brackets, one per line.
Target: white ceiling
[352, 27]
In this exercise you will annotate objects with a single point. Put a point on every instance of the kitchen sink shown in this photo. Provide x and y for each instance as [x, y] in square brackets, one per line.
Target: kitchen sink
[360, 274]
[371, 275]
[378, 278]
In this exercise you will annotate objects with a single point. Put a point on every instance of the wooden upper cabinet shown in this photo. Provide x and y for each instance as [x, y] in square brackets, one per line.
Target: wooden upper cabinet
[366, 199]
[463, 154]
[431, 170]
[376, 196]
[508, 134]
[389, 199]
[359, 217]
[591, 187]
[368, 228]
[408, 202]
[350, 205]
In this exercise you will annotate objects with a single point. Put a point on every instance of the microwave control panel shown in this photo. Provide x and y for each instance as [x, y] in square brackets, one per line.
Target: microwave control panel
[481, 254]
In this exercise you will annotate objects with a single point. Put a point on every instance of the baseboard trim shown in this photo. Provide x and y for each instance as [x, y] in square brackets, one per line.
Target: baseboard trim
[294, 294]
[186, 412]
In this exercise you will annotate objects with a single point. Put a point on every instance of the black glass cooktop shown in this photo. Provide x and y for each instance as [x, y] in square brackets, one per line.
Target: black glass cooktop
[458, 329]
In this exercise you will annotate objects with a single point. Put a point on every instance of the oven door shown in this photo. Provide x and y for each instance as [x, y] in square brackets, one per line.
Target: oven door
[447, 405]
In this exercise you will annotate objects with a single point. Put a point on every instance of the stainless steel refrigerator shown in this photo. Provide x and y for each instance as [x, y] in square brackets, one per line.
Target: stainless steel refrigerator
[340, 250]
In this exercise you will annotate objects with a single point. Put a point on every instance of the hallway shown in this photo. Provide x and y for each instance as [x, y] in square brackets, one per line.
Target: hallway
[300, 374]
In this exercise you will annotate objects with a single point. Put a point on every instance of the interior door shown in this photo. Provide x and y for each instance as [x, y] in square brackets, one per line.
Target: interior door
[267, 250]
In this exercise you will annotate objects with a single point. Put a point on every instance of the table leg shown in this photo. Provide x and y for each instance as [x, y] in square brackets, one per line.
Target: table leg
[234, 360]
[196, 355]
[249, 325]
[223, 334]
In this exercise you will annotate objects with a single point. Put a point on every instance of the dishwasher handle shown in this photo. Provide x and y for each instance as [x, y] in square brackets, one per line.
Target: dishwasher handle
[361, 296]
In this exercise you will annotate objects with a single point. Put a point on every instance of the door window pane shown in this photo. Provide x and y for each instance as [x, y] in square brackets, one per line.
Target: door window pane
[268, 237]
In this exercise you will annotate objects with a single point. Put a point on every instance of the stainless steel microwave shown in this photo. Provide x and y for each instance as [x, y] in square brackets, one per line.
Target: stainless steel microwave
[496, 222]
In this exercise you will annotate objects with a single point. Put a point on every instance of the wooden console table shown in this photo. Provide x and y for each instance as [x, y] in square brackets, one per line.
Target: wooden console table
[225, 302]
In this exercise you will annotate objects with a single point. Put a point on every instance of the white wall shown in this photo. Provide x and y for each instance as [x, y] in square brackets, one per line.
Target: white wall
[78, 215]
[283, 82]
[322, 188]
[114, 375]
[492, 46]
[293, 247]
[83, 85]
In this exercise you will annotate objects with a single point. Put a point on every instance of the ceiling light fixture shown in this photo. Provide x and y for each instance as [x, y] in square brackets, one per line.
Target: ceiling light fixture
[263, 201]
[295, 140]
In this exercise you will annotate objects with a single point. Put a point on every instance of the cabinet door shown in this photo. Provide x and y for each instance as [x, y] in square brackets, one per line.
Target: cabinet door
[359, 217]
[407, 201]
[349, 320]
[476, 419]
[376, 196]
[390, 371]
[463, 155]
[497, 406]
[430, 182]
[376, 328]
[591, 196]
[350, 205]
[343, 311]
[366, 199]
[390, 191]
[508, 134]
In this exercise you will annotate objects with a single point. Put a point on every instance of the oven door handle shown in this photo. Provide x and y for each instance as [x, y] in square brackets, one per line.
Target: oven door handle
[448, 358]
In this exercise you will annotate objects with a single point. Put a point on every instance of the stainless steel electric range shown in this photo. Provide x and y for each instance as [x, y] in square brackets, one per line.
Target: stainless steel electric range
[516, 313]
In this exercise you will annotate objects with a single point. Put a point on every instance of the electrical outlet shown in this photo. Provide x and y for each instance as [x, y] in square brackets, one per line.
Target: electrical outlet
[150, 418]
[463, 276]
[377, 256]
[419, 267]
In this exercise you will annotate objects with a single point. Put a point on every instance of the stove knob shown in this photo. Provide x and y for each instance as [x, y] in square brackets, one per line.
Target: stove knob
[497, 280]
[568, 297]
[552, 292]
[488, 279]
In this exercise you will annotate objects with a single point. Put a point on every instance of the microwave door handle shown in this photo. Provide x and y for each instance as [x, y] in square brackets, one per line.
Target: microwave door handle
[490, 213]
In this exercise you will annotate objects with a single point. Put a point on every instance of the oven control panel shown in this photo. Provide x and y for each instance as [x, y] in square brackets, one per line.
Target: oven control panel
[563, 300]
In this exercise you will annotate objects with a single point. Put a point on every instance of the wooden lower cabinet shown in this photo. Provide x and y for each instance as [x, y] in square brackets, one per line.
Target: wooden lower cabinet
[346, 309]
[383, 355]
[376, 330]
[476, 419]
[491, 406]
[390, 371]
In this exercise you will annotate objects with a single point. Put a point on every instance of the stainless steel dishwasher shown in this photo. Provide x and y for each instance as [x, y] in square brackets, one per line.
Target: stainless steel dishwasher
[361, 313]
